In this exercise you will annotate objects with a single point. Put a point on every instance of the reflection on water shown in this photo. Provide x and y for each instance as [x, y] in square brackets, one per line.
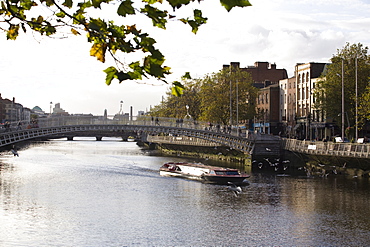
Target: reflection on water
[109, 193]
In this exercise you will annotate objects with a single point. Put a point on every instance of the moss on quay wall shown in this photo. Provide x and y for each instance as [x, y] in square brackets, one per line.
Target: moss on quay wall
[217, 153]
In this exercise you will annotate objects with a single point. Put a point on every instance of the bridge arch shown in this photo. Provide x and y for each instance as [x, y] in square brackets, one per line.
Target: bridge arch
[12, 137]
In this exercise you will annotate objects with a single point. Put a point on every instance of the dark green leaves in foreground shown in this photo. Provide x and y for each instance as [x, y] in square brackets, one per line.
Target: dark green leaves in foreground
[229, 4]
[106, 37]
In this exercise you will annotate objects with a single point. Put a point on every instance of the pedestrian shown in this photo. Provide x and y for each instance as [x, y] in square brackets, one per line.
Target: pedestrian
[19, 125]
[157, 121]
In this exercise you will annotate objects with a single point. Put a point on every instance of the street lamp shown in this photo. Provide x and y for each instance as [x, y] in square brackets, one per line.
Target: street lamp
[356, 120]
[51, 105]
[187, 112]
[348, 124]
[342, 99]
[120, 108]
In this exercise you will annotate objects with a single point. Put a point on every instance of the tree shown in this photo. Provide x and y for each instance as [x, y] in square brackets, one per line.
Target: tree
[364, 106]
[224, 92]
[328, 90]
[106, 36]
[179, 106]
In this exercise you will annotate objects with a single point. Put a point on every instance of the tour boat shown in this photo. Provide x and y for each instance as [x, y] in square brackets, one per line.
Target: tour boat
[206, 173]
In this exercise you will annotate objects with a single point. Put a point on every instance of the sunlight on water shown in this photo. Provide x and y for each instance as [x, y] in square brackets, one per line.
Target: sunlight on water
[109, 193]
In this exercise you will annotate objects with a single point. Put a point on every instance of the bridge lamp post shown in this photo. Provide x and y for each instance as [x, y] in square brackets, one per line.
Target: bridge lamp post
[51, 105]
[120, 108]
[356, 127]
[187, 111]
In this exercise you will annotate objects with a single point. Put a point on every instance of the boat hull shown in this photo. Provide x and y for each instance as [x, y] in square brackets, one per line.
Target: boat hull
[201, 172]
[225, 180]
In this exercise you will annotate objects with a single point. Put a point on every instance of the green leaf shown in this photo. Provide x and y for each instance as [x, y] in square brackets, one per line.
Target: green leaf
[123, 76]
[198, 20]
[177, 88]
[157, 16]
[97, 25]
[125, 8]
[60, 14]
[229, 4]
[178, 3]
[186, 76]
[96, 3]
[68, 3]
[111, 74]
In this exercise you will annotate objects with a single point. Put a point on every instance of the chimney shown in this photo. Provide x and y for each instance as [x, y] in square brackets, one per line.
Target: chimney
[235, 64]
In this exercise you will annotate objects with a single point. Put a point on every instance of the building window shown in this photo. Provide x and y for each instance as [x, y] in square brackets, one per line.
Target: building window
[307, 93]
[299, 94]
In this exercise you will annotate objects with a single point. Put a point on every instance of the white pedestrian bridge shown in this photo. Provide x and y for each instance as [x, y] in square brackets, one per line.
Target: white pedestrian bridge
[71, 126]
[167, 130]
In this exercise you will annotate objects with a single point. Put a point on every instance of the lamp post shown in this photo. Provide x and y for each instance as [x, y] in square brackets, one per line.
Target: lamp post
[120, 108]
[237, 108]
[356, 120]
[342, 99]
[51, 105]
[187, 112]
[231, 112]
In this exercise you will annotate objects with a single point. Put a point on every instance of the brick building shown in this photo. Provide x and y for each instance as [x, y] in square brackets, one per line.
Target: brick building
[262, 72]
[266, 77]
[306, 75]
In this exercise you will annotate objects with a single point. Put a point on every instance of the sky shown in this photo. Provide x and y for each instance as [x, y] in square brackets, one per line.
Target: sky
[40, 70]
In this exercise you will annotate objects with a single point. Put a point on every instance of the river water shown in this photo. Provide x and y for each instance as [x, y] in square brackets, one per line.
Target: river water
[110, 193]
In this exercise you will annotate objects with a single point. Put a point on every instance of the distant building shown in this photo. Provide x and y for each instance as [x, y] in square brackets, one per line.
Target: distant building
[38, 111]
[267, 119]
[264, 75]
[58, 111]
[13, 111]
[262, 72]
[2, 109]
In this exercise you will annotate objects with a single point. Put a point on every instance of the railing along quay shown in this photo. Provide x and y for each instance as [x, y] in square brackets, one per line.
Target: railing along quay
[205, 138]
[355, 150]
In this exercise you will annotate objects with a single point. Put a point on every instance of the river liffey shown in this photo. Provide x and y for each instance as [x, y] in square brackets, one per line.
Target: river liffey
[110, 193]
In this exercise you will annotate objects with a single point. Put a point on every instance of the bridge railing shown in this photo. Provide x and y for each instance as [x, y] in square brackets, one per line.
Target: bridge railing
[124, 120]
[118, 120]
[327, 148]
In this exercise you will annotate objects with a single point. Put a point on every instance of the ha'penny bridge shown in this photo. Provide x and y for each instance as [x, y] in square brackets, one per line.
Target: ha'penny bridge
[170, 131]
[142, 129]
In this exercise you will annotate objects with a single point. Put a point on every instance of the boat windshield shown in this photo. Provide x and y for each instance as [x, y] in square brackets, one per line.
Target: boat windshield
[232, 173]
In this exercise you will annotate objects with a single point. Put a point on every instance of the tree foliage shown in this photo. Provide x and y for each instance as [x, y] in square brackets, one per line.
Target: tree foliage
[106, 37]
[180, 106]
[364, 106]
[225, 92]
[208, 99]
[328, 91]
